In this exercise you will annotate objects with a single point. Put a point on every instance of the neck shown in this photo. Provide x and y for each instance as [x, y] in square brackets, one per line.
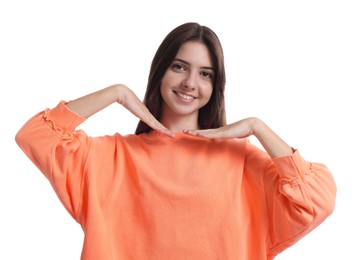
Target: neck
[178, 123]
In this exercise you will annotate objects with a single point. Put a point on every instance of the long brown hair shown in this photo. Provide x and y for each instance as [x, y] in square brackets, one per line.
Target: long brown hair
[213, 114]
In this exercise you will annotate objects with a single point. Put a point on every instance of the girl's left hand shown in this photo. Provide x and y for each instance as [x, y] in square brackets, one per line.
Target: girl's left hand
[271, 142]
[239, 129]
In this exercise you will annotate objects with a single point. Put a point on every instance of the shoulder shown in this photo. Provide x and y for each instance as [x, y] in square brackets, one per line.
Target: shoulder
[256, 155]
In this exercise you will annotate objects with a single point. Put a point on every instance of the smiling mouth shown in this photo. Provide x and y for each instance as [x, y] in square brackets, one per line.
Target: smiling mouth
[184, 96]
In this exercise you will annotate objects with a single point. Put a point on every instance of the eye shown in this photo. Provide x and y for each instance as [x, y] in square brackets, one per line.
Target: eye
[178, 66]
[206, 74]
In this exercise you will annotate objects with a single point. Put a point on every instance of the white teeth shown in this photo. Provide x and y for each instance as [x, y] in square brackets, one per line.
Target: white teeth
[182, 95]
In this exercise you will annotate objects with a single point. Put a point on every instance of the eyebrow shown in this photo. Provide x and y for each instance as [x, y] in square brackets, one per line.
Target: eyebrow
[186, 62]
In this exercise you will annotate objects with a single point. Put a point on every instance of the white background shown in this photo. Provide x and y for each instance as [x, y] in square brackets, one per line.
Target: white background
[294, 64]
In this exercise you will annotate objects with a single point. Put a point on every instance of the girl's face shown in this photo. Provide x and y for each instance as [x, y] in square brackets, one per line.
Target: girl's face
[188, 82]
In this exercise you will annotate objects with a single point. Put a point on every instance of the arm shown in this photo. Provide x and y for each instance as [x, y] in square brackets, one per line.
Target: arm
[53, 144]
[304, 198]
[270, 141]
[298, 195]
[90, 104]
[50, 141]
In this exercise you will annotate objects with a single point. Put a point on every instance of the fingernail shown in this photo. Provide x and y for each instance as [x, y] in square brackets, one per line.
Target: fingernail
[170, 133]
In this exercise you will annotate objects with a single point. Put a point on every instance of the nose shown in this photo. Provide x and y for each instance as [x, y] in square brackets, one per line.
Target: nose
[190, 81]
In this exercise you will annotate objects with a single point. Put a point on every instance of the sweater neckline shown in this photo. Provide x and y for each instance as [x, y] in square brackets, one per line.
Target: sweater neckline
[178, 135]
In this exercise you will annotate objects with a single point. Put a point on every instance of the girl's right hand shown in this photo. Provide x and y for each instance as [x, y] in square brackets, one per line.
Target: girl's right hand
[131, 102]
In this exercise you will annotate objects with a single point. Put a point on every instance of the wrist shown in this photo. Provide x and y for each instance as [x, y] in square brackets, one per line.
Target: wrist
[117, 91]
[256, 126]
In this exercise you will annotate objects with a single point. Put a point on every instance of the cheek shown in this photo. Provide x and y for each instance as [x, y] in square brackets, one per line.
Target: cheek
[207, 91]
[163, 88]
[164, 84]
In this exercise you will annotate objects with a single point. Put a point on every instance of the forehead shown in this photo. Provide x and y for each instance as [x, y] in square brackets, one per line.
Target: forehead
[195, 53]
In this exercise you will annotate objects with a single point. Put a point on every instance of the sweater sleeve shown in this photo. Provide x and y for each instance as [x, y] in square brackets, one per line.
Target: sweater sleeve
[51, 142]
[299, 196]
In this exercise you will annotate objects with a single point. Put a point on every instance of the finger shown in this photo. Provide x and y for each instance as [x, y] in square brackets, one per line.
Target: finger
[167, 132]
[203, 133]
[162, 129]
[156, 125]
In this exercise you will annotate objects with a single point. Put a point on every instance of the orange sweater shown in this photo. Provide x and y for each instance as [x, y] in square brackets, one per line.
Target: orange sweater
[150, 196]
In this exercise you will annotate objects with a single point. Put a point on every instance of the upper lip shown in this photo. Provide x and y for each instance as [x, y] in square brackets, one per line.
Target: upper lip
[184, 93]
